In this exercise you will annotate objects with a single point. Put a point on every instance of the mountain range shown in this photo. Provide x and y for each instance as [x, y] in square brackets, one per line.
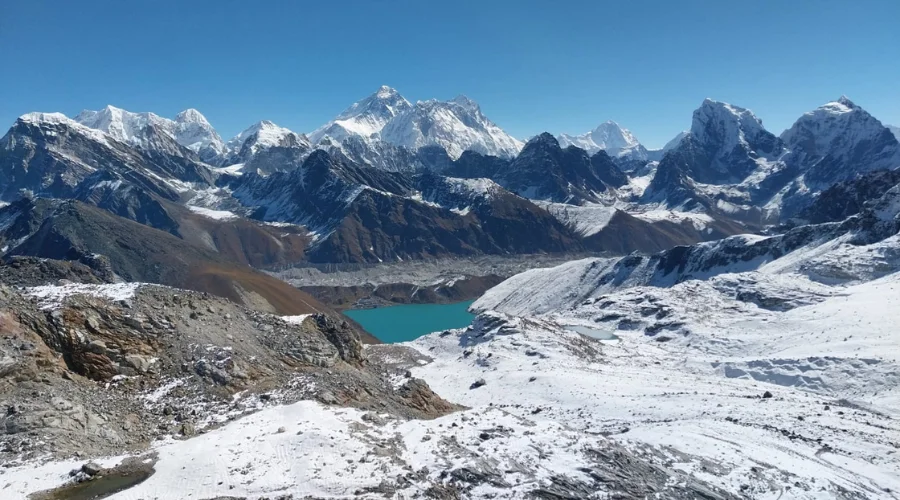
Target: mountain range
[388, 180]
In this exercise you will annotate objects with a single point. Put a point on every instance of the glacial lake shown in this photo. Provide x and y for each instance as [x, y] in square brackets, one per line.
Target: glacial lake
[407, 322]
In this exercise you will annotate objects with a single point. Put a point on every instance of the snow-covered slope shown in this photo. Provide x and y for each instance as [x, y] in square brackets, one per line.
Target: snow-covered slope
[189, 128]
[457, 125]
[364, 118]
[774, 358]
[759, 403]
[610, 137]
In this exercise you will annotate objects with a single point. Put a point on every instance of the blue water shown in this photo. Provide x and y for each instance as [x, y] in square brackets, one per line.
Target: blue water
[407, 322]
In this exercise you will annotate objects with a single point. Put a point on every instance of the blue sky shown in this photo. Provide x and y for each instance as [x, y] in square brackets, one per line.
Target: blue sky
[532, 65]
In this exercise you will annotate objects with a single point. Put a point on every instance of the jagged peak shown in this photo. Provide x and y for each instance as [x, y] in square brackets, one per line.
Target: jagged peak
[846, 101]
[721, 106]
[38, 119]
[724, 122]
[543, 139]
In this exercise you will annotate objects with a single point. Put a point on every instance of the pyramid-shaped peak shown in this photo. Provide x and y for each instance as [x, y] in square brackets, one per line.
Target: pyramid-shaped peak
[191, 115]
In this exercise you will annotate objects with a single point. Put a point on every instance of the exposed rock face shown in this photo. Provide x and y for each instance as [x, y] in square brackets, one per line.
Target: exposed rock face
[367, 215]
[366, 295]
[545, 171]
[265, 148]
[31, 271]
[184, 355]
[850, 197]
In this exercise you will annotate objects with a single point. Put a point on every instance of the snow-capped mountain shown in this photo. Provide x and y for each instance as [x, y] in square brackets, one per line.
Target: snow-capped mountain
[610, 137]
[265, 147]
[189, 129]
[837, 135]
[457, 125]
[735, 140]
[364, 118]
[50, 154]
[725, 146]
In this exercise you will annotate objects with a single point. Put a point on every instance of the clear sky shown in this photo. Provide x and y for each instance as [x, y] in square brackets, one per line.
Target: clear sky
[560, 66]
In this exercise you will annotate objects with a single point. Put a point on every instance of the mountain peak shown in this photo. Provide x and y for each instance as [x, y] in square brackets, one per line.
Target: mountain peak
[457, 125]
[44, 118]
[543, 139]
[841, 129]
[841, 106]
[191, 115]
[725, 124]
[609, 136]
[846, 101]
[385, 92]
[364, 118]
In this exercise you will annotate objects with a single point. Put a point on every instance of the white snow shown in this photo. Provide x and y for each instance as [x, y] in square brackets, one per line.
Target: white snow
[699, 220]
[189, 128]
[296, 319]
[61, 119]
[610, 137]
[456, 125]
[364, 118]
[259, 136]
[213, 214]
[52, 296]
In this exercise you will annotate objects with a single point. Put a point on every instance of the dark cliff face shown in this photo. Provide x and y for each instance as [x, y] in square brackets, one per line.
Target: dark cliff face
[472, 165]
[362, 214]
[384, 228]
[849, 198]
[545, 171]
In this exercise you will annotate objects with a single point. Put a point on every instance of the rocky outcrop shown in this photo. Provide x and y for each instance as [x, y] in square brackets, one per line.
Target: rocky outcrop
[96, 370]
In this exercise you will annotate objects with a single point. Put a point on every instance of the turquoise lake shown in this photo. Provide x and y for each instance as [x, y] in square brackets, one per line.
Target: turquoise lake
[407, 322]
